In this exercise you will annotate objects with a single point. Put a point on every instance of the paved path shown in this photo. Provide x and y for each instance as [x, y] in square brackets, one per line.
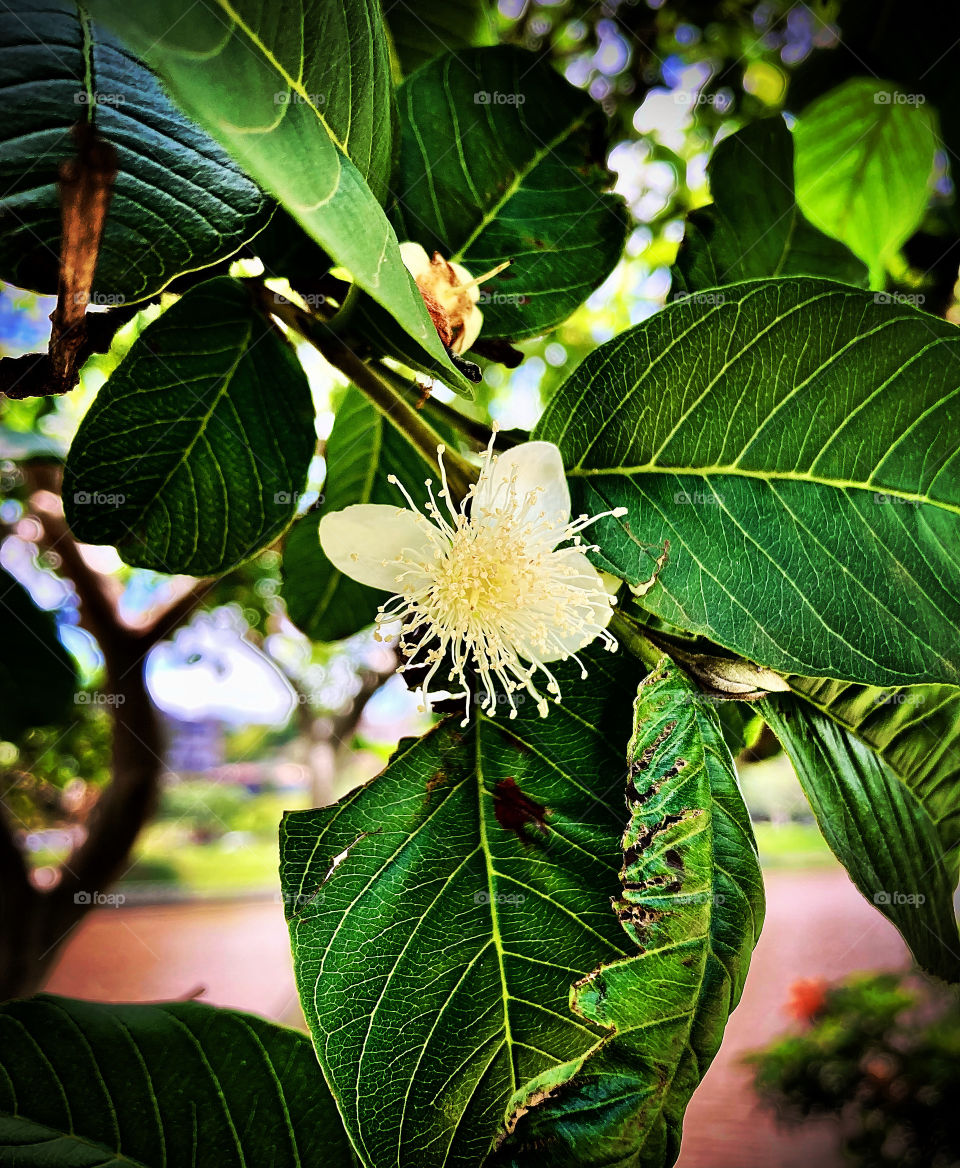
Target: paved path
[237, 954]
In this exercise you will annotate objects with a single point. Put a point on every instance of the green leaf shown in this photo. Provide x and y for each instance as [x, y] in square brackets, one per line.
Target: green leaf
[501, 158]
[878, 828]
[179, 201]
[692, 904]
[85, 1085]
[192, 456]
[37, 674]
[795, 441]
[363, 448]
[915, 730]
[440, 914]
[864, 157]
[753, 227]
[304, 105]
[422, 30]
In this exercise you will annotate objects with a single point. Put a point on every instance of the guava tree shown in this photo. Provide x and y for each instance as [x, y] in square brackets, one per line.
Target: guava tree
[519, 945]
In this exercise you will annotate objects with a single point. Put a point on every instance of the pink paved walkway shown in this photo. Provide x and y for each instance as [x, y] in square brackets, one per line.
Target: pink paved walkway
[817, 926]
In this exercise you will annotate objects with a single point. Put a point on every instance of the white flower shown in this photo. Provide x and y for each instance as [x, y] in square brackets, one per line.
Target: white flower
[490, 583]
[450, 293]
[448, 286]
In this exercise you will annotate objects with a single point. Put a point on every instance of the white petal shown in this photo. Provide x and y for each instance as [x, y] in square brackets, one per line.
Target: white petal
[590, 580]
[472, 323]
[536, 470]
[416, 261]
[365, 542]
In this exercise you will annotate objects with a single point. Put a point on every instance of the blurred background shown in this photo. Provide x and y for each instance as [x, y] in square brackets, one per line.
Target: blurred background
[247, 718]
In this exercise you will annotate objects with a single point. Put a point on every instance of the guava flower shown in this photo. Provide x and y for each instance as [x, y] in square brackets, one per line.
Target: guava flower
[450, 293]
[497, 588]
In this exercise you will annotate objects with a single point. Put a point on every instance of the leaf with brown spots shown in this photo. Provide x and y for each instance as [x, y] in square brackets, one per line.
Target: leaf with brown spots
[514, 810]
[691, 903]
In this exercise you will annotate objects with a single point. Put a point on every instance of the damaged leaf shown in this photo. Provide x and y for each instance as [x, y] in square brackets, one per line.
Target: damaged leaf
[435, 961]
[691, 904]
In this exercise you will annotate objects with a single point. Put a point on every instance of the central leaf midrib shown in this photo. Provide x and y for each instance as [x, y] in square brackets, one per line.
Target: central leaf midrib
[705, 472]
[522, 174]
[157, 495]
[295, 86]
[491, 885]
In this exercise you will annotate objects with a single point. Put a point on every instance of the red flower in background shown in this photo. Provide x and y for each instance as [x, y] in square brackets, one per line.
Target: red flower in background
[808, 996]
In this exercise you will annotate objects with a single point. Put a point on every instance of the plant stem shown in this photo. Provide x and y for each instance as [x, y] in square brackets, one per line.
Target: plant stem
[479, 433]
[632, 635]
[370, 381]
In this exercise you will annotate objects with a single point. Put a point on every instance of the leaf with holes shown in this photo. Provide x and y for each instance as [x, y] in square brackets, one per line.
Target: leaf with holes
[440, 914]
[865, 154]
[84, 1084]
[305, 106]
[692, 905]
[192, 457]
[179, 201]
[878, 827]
[754, 227]
[795, 441]
[363, 448]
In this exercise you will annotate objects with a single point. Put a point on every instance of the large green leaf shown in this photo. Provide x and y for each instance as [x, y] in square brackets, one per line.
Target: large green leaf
[302, 100]
[501, 158]
[865, 154]
[692, 904]
[37, 674]
[440, 914]
[878, 828]
[422, 29]
[754, 227]
[179, 201]
[363, 448]
[915, 730]
[84, 1085]
[192, 456]
[796, 442]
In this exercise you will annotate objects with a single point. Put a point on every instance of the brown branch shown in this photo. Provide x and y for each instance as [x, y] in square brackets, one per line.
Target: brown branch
[169, 619]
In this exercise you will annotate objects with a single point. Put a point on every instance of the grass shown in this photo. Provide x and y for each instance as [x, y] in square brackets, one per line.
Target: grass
[792, 845]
